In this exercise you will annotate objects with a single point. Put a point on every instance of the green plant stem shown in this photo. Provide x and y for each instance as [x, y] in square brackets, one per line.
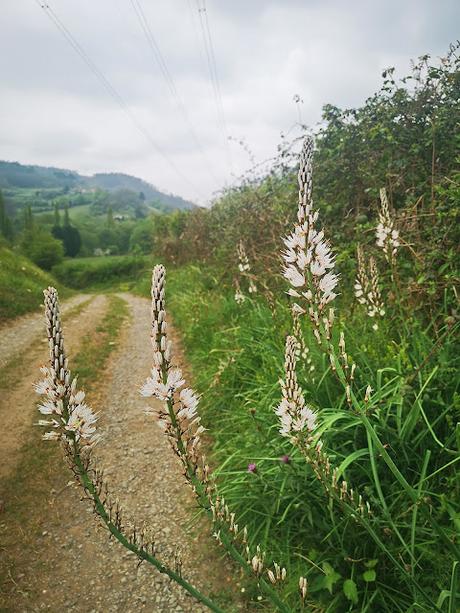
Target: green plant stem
[386, 511]
[121, 538]
[415, 509]
[370, 430]
[225, 538]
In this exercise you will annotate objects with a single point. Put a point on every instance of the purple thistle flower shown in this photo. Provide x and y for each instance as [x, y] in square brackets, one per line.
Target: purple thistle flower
[285, 459]
[252, 468]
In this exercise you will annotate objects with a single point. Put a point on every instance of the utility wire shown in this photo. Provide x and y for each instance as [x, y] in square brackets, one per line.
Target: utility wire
[212, 68]
[112, 91]
[160, 60]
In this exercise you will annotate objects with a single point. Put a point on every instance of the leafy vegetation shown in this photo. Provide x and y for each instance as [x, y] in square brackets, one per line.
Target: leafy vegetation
[403, 138]
[395, 440]
[101, 271]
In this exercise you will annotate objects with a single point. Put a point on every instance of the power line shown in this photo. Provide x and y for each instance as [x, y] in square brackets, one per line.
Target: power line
[212, 68]
[160, 60]
[111, 90]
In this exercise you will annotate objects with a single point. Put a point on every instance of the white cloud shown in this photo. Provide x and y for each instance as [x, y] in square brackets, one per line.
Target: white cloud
[54, 111]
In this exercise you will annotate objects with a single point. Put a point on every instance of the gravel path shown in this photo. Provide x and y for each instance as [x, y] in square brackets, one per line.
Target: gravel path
[17, 335]
[76, 567]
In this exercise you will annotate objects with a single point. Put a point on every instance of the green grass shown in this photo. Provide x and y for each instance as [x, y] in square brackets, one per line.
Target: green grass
[26, 494]
[22, 284]
[118, 272]
[236, 354]
[98, 346]
[76, 212]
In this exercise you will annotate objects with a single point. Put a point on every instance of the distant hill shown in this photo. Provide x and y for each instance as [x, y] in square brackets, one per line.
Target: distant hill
[14, 175]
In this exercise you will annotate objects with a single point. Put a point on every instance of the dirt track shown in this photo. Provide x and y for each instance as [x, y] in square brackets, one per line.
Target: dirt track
[73, 566]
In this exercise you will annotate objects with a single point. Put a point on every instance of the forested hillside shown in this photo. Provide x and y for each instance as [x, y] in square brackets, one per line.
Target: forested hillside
[106, 214]
[43, 185]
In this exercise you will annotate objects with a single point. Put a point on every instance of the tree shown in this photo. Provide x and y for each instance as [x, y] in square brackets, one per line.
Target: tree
[110, 222]
[141, 239]
[57, 229]
[43, 249]
[28, 220]
[57, 217]
[66, 215]
[70, 235]
[6, 229]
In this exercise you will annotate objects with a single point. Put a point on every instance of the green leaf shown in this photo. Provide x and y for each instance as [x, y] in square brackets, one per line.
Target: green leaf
[351, 458]
[369, 576]
[331, 577]
[453, 588]
[371, 563]
[350, 590]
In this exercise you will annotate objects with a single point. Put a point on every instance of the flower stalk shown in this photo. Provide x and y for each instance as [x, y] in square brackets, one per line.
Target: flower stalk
[304, 275]
[367, 287]
[72, 421]
[245, 271]
[180, 421]
[386, 233]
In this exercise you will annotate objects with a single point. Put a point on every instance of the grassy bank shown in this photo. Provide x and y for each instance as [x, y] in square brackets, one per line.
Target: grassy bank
[237, 353]
[21, 285]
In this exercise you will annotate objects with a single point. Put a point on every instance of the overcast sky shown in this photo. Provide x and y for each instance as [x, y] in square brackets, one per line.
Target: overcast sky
[54, 111]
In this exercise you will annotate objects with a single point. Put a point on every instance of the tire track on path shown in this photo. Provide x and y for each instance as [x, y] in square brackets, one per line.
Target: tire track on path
[18, 334]
[18, 404]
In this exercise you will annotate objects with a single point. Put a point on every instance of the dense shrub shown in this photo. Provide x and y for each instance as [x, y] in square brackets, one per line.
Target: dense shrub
[403, 138]
[84, 272]
[43, 249]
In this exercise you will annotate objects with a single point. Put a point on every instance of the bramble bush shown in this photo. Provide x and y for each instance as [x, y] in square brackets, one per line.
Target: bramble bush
[404, 138]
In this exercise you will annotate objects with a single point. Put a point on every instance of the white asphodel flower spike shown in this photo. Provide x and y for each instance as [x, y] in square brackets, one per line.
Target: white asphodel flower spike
[309, 262]
[296, 418]
[367, 287]
[177, 415]
[386, 233]
[68, 416]
[239, 296]
[245, 270]
[243, 262]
